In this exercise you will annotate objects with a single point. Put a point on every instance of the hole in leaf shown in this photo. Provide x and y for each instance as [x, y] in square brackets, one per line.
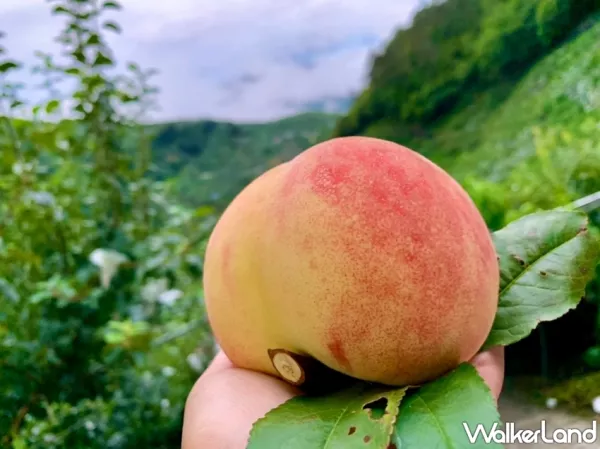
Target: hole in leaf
[367, 439]
[543, 273]
[351, 430]
[376, 409]
[392, 446]
[518, 259]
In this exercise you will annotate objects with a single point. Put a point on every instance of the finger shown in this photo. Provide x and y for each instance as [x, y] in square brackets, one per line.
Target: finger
[490, 365]
[219, 363]
[225, 402]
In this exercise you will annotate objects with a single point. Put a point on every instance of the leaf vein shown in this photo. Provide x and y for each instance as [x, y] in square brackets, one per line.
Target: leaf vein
[328, 440]
[444, 434]
[535, 261]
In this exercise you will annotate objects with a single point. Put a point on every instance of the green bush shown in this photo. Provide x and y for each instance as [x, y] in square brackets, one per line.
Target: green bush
[102, 331]
[564, 168]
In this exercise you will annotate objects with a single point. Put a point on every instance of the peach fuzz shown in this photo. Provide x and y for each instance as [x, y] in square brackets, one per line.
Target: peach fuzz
[359, 253]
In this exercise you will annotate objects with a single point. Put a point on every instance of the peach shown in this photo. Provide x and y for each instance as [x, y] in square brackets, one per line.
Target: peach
[358, 253]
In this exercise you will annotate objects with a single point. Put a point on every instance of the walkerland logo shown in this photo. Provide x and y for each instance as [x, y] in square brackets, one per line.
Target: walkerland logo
[510, 434]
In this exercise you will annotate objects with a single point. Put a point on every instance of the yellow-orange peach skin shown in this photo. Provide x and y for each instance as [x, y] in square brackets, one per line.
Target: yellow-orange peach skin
[360, 253]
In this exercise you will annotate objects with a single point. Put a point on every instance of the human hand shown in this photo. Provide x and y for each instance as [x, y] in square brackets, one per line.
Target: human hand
[226, 401]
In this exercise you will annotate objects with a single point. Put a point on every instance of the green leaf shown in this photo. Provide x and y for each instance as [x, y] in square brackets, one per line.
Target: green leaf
[102, 59]
[358, 417]
[80, 108]
[204, 211]
[19, 443]
[61, 10]
[79, 55]
[592, 357]
[94, 81]
[546, 261]
[52, 106]
[94, 39]
[40, 296]
[84, 16]
[112, 26]
[114, 337]
[7, 66]
[126, 98]
[8, 291]
[435, 415]
[111, 5]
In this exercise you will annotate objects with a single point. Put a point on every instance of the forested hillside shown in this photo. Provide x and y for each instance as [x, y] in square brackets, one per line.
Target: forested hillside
[454, 51]
[212, 161]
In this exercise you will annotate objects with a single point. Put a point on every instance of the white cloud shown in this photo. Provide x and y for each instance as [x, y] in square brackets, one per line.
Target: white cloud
[234, 59]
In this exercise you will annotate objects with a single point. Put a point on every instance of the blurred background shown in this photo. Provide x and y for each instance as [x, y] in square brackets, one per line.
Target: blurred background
[127, 126]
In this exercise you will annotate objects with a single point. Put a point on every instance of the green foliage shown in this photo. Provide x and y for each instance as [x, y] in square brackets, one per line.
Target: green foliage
[551, 111]
[564, 166]
[547, 259]
[368, 416]
[101, 326]
[434, 415]
[455, 49]
[343, 420]
[576, 394]
[213, 161]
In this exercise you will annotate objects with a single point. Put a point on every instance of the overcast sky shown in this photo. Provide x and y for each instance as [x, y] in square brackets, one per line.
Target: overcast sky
[245, 60]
